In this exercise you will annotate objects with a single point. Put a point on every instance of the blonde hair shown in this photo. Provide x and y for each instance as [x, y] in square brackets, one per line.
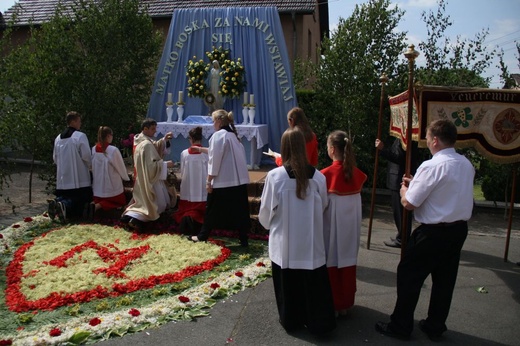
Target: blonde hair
[294, 156]
[226, 119]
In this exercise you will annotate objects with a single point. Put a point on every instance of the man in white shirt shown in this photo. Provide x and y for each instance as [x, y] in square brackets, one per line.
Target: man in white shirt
[441, 195]
[73, 181]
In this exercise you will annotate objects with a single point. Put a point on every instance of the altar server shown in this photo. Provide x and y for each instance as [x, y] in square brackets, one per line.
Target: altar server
[292, 206]
[194, 168]
[297, 120]
[226, 183]
[108, 172]
[342, 221]
[73, 181]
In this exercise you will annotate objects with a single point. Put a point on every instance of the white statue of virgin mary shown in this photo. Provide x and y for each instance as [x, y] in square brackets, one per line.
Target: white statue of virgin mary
[215, 85]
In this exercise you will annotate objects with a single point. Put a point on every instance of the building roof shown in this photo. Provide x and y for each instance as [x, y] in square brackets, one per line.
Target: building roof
[40, 11]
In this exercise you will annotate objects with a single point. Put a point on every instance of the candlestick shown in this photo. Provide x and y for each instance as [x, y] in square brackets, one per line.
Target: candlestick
[180, 95]
[252, 99]
[245, 96]
[170, 99]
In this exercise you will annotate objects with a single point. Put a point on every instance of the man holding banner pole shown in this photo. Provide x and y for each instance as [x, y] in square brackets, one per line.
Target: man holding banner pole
[441, 195]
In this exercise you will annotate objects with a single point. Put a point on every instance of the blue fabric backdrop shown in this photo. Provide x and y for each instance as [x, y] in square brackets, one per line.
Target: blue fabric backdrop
[253, 34]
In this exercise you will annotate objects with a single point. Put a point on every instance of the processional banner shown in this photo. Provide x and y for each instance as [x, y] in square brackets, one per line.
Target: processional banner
[252, 34]
[399, 118]
[487, 119]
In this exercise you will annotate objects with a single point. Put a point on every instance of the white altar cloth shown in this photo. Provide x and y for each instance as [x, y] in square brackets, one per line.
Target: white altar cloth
[255, 134]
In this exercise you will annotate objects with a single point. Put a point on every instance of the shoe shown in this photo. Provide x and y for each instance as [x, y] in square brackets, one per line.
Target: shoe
[433, 336]
[91, 211]
[62, 211]
[385, 329]
[135, 224]
[394, 243]
[88, 211]
[51, 209]
[125, 219]
[194, 238]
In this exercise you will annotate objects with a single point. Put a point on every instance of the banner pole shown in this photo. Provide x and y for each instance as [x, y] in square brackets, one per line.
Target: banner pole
[383, 79]
[511, 207]
[411, 54]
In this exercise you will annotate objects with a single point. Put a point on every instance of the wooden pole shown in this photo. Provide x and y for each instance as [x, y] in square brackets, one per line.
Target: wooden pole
[411, 54]
[383, 79]
[511, 207]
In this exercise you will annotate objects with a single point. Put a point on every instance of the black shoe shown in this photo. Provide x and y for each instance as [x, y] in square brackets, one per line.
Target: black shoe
[136, 225]
[51, 209]
[125, 219]
[394, 243]
[433, 336]
[385, 329]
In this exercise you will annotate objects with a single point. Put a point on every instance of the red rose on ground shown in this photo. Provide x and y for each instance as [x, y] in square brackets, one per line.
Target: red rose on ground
[184, 299]
[28, 219]
[1, 236]
[215, 285]
[260, 264]
[16, 226]
[239, 274]
[6, 342]
[134, 312]
[94, 322]
[55, 332]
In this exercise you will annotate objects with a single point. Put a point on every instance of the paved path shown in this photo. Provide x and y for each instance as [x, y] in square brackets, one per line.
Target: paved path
[250, 317]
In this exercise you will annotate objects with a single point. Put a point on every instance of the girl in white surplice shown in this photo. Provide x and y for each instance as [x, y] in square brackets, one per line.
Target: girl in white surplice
[292, 206]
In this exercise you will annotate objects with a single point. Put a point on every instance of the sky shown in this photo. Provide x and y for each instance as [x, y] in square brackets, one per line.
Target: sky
[501, 17]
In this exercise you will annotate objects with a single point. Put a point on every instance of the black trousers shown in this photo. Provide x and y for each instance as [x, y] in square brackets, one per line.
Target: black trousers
[431, 250]
[397, 209]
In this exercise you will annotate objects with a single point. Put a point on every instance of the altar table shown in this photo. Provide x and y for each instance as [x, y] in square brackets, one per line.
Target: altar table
[256, 137]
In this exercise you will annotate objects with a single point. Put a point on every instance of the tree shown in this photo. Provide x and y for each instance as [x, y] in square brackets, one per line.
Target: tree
[460, 63]
[347, 87]
[97, 58]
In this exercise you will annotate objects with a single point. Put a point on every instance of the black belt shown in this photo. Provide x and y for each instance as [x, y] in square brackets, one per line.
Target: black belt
[444, 224]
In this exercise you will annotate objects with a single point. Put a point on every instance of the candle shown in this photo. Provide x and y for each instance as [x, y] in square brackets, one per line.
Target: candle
[252, 99]
[170, 98]
[245, 97]
[180, 96]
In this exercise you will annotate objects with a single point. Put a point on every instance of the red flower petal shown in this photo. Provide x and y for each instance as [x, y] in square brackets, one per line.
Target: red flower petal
[215, 285]
[260, 264]
[28, 219]
[94, 322]
[6, 342]
[1, 236]
[55, 332]
[184, 299]
[16, 226]
[134, 312]
[239, 274]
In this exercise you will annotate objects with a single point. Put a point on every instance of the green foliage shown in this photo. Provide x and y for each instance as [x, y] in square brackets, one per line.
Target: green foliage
[347, 87]
[460, 63]
[98, 60]
[497, 182]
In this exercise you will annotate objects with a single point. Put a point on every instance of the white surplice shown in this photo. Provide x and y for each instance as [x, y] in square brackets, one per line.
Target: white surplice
[72, 158]
[108, 172]
[295, 226]
[194, 170]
